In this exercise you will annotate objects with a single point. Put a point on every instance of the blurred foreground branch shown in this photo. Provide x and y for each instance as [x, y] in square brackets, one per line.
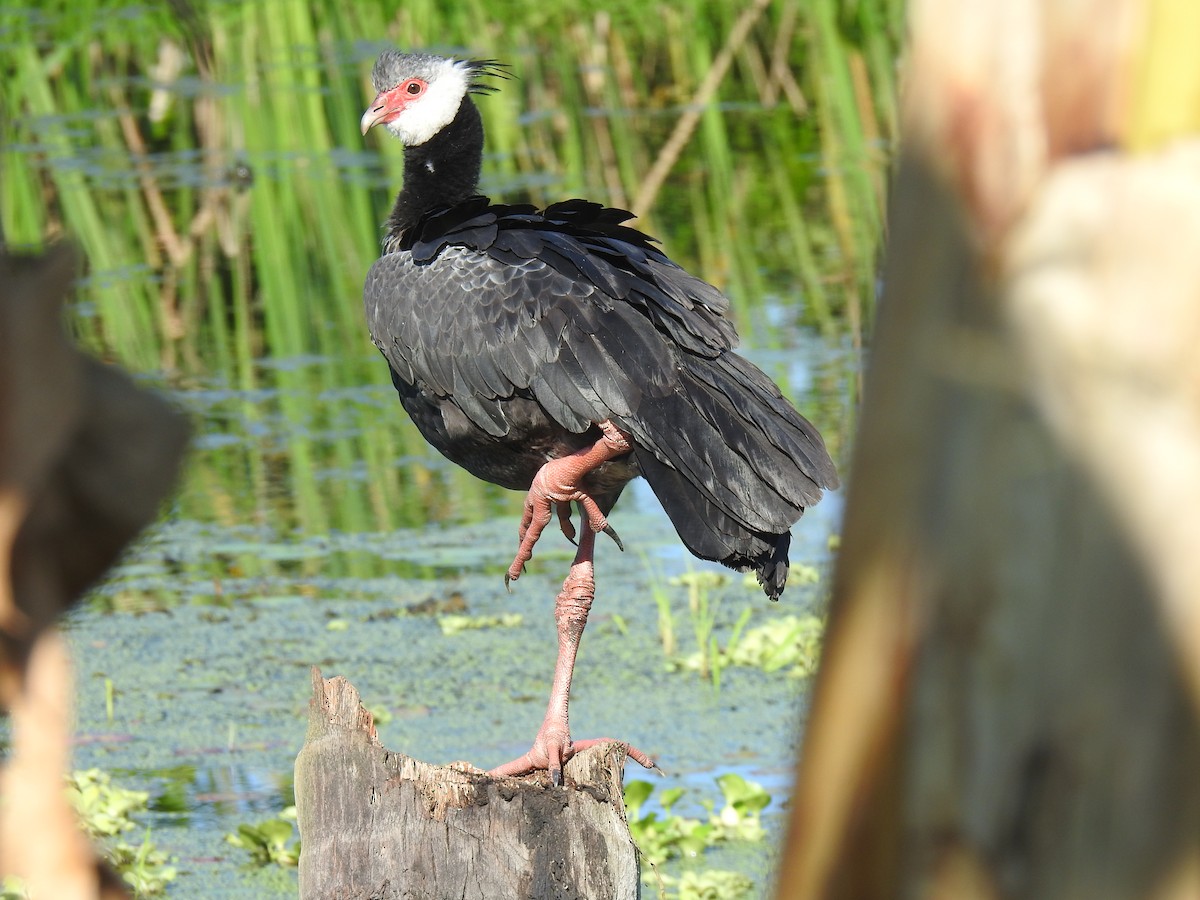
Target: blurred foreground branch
[1009, 700]
[86, 458]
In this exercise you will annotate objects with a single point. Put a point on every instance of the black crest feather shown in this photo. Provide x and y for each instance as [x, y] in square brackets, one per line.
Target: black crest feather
[487, 68]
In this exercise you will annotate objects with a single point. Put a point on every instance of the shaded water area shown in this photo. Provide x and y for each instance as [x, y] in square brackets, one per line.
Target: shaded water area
[314, 526]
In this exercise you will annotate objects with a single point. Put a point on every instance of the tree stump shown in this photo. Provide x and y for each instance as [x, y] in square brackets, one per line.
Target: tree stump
[378, 824]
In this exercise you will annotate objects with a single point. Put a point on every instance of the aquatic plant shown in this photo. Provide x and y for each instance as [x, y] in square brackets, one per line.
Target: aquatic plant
[702, 611]
[667, 836]
[106, 811]
[457, 623]
[791, 642]
[710, 884]
[662, 601]
[145, 868]
[785, 642]
[269, 842]
[740, 818]
[661, 838]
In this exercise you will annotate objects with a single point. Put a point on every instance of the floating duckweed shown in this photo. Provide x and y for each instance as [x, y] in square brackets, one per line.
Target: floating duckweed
[454, 624]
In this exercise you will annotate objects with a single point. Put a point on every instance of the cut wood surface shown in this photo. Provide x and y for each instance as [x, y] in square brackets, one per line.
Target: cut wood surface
[378, 824]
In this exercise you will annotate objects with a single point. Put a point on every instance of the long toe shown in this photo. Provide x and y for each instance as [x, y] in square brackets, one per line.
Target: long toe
[643, 759]
[522, 765]
[544, 756]
[551, 755]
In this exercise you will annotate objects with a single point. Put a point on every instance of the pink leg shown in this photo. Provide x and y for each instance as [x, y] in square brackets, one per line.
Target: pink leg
[553, 745]
[556, 485]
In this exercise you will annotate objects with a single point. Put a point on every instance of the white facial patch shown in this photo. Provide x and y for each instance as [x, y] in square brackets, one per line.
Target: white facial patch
[436, 108]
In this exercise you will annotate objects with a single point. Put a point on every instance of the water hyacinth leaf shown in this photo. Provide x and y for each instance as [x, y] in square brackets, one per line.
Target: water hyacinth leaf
[636, 793]
[746, 797]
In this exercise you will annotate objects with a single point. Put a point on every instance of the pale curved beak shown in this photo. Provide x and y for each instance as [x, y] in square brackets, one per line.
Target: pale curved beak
[374, 114]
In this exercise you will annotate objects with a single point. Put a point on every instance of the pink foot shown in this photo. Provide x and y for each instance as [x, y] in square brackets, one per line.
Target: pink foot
[553, 747]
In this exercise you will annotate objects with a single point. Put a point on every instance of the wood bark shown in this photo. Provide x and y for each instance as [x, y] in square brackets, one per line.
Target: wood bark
[378, 824]
[86, 457]
[1009, 699]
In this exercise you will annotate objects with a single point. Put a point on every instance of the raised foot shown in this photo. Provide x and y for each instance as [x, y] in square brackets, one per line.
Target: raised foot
[556, 486]
[550, 755]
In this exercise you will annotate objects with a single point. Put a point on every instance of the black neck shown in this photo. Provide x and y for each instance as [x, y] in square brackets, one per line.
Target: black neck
[441, 171]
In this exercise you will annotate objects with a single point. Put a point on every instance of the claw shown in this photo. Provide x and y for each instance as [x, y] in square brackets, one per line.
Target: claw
[642, 759]
[612, 533]
[511, 576]
[565, 524]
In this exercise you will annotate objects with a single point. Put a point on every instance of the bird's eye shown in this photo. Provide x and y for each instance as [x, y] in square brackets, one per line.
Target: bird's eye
[413, 87]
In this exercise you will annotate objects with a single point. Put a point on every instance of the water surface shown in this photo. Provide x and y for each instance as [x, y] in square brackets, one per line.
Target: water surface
[208, 630]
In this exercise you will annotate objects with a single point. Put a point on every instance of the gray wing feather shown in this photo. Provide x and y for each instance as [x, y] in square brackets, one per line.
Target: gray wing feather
[471, 328]
[610, 330]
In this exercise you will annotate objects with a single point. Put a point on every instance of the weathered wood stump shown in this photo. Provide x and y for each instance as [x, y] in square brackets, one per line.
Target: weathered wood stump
[378, 824]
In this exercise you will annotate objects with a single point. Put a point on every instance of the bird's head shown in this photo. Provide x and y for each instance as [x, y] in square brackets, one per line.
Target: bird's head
[419, 94]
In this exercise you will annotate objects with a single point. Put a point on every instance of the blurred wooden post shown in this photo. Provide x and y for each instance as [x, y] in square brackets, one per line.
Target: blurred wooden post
[86, 458]
[1009, 699]
[379, 824]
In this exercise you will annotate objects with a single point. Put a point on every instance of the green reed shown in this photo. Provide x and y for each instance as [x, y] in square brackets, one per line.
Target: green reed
[798, 133]
[238, 226]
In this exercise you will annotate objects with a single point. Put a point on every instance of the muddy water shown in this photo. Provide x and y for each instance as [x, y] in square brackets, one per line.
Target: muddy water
[207, 632]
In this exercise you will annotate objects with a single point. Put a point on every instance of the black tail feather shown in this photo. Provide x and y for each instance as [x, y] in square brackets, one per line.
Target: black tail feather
[737, 467]
[710, 533]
